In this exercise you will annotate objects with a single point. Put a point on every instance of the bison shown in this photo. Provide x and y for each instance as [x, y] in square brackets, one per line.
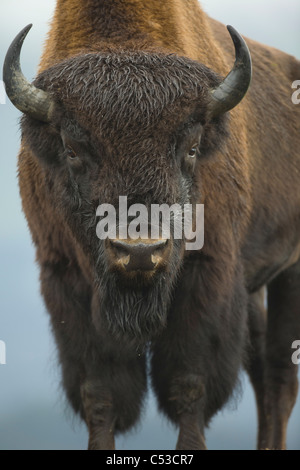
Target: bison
[131, 101]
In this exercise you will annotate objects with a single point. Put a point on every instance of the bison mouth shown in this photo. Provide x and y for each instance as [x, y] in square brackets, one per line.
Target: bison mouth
[136, 306]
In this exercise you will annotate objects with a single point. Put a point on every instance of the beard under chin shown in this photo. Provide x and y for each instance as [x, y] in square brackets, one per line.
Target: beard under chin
[137, 314]
[134, 313]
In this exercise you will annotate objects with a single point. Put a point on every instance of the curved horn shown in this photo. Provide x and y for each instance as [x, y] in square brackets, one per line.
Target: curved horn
[234, 87]
[24, 96]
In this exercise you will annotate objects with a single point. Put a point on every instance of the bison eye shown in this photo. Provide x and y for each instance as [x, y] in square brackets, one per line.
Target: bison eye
[74, 161]
[70, 153]
[193, 152]
[189, 161]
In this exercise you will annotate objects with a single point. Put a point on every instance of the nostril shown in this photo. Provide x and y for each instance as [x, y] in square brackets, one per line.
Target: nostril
[120, 251]
[138, 255]
[158, 250]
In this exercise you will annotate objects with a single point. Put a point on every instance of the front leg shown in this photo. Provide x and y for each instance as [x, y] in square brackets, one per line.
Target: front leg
[196, 361]
[98, 414]
[256, 364]
[104, 379]
[187, 393]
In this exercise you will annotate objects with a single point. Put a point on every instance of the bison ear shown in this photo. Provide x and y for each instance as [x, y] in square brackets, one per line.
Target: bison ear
[23, 95]
[234, 87]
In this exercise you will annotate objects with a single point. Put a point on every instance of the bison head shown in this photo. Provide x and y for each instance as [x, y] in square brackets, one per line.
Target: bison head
[128, 123]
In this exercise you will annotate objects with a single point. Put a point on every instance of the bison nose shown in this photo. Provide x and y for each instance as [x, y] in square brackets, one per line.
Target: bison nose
[134, 255]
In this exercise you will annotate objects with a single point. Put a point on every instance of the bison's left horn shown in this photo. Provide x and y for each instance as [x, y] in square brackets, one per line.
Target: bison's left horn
[24, 96]
[234, 87]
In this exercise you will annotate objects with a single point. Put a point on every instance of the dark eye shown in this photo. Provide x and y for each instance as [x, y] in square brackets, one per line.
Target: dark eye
[74, 160]
[70, 153]
[193, 152]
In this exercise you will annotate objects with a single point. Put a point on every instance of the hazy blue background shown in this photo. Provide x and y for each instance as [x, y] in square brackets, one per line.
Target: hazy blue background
[32, 409]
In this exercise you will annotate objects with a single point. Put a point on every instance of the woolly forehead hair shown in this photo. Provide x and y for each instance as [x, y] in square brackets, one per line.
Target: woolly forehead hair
[126, 89]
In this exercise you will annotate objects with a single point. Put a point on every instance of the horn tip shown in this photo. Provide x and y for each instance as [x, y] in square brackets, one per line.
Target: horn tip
[26, 30]
[232, 31]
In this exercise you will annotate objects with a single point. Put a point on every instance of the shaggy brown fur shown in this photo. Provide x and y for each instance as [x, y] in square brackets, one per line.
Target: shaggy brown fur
[247, 176]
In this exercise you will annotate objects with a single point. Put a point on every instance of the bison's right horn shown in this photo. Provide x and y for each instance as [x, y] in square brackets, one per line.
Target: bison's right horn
[24, 96]
[234, 87]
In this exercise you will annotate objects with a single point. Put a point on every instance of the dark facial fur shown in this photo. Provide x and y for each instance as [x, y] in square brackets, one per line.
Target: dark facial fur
[129, 120]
